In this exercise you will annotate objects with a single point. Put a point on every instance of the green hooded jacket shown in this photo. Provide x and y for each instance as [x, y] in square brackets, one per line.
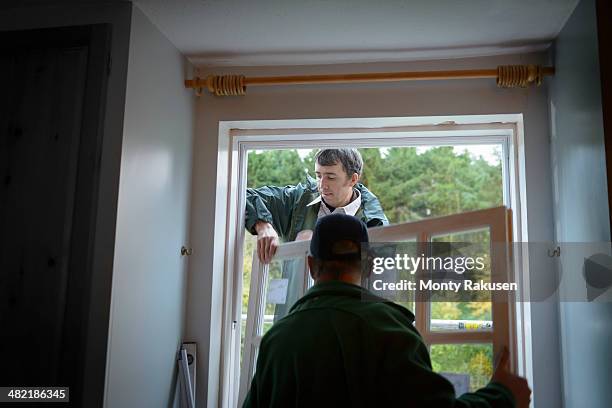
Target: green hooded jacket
[342, 346]
[286, 208]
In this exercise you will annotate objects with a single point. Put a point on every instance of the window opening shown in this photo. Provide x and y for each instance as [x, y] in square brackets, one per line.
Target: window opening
[413, 183]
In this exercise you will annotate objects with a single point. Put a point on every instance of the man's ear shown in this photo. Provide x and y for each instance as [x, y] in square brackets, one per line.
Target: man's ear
[354, 179]
[311, 268]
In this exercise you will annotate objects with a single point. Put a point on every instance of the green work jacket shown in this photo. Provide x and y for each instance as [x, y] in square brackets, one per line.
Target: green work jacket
[341, 346]
[286, 208]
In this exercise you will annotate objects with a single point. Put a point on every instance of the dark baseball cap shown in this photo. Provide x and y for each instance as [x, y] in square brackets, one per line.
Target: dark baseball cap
[338, 237]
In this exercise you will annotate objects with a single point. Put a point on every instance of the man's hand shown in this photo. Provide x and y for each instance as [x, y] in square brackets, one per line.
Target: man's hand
[267, 241]
[517, 385]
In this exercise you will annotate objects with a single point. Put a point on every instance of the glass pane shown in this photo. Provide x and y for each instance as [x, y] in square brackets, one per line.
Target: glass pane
[391, 281]
[250, 244]
[468, 366]
[462, 308]
[242, 335]
[283, 287]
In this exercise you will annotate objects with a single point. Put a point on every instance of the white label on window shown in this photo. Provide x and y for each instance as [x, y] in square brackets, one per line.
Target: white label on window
[277, 291]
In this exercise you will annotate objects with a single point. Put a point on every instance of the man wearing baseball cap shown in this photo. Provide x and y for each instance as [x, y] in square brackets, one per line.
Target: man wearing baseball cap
[342, 346]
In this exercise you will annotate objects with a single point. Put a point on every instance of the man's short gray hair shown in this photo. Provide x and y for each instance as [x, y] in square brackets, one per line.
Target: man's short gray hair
[349, 158]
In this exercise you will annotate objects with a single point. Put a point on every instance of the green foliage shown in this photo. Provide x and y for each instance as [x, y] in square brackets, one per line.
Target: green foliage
[309, 162]
[475, 359]
[275, 168]
[434, 183]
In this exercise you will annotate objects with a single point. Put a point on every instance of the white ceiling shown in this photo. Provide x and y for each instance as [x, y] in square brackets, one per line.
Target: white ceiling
[295, 32]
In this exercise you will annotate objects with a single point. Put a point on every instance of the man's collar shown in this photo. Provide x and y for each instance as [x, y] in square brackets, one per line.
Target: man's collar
[352, 207]
[349, 209]
[315, 201]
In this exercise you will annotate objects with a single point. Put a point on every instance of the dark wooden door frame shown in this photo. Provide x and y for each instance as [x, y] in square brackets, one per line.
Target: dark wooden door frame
[75, 363]
[604, 37]
[86, 199]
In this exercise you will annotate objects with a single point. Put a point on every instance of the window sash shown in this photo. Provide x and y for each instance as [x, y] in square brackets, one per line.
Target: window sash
[257, 303]
[496, 220]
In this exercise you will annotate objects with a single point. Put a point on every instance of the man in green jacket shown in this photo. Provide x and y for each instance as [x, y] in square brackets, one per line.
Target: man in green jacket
[288, 213]
[342, 346]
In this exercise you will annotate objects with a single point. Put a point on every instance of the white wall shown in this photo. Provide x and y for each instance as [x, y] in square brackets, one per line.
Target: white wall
[149, 277]
[581, 206]
[466, 97]
[39, 14]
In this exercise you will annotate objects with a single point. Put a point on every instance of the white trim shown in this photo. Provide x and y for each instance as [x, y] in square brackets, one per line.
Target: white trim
[446, 122]
[237, 169]
[518, 203]
[226, 185]
[376, 140]
[506, 129]
[420, 129]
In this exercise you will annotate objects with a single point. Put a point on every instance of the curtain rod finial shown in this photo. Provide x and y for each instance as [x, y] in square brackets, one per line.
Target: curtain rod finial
[219, 85]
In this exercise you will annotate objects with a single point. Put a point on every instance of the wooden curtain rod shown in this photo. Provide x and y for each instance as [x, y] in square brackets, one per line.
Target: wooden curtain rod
[508, 76]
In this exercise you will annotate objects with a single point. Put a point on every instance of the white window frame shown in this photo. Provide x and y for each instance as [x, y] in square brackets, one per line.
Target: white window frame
[236, 138]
